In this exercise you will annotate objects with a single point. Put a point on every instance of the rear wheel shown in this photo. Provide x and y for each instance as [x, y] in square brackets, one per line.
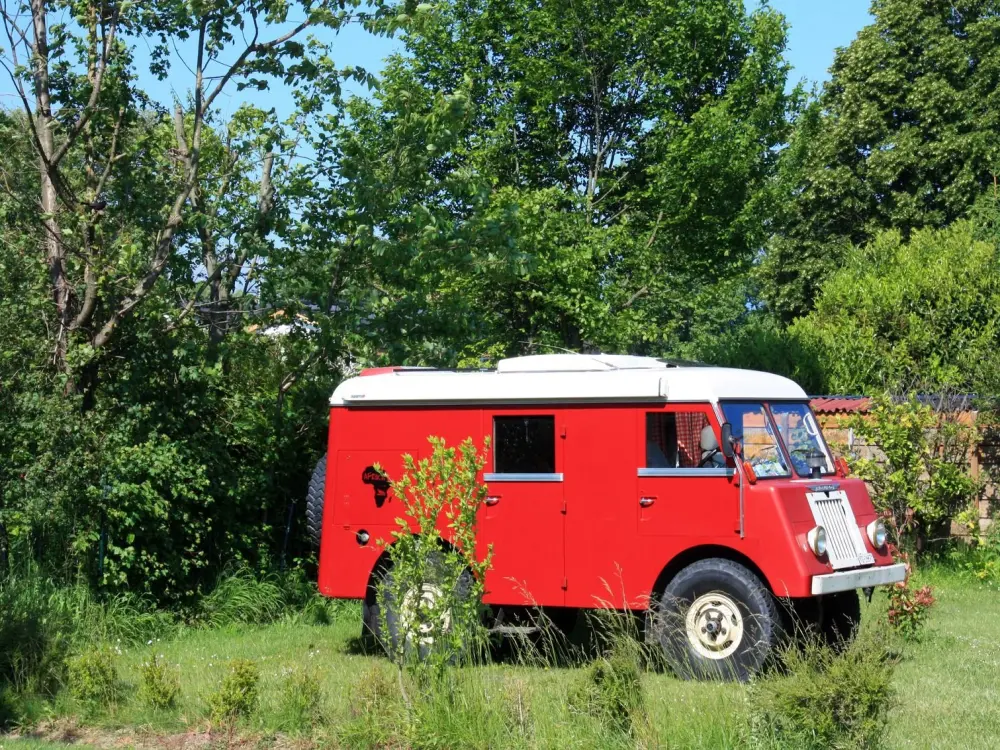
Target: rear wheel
[717, 620]
[314, 502]
[394, 623]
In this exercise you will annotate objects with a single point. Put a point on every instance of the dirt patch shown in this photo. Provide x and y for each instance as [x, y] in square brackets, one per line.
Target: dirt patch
[71, 733]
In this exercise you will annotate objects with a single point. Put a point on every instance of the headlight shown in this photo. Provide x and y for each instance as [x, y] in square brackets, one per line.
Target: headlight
[817, 541]
[877, 533]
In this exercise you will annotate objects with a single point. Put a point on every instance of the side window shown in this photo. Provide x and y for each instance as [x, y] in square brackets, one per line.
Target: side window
[524, 445]
[680, 440]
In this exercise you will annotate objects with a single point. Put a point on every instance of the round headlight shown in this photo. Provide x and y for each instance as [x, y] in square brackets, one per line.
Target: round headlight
[817, 541]
[877, 533]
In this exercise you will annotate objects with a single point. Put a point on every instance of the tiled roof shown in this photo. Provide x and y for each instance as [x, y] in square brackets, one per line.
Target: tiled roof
[840, 404]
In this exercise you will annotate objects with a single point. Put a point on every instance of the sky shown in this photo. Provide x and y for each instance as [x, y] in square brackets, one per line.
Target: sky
[818, 27]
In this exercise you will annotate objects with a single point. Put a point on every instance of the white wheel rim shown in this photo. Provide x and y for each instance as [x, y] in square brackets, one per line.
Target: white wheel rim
[714, 626]
[426, 603]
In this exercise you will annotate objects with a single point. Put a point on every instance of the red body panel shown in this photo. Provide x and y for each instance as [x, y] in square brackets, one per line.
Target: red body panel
[586, 541]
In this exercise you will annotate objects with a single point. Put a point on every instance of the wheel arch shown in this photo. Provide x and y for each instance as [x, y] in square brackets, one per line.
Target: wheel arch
[705, 552]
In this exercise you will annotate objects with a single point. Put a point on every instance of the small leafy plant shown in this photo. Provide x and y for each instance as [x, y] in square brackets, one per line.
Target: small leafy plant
[908, 608]
[238, 692]
[612, 691]
[93, 677]
[160, 684]
[434, 590]
[301, 696]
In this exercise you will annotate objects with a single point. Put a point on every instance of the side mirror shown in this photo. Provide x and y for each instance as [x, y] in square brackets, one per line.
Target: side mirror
[728, 444]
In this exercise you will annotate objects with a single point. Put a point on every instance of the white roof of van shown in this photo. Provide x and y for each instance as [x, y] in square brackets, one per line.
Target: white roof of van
[563, 378]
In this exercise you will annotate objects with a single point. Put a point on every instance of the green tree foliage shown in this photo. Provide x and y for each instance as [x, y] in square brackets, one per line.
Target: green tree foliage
[150, 432]
[903, 136]
[558, 173]
[917, 315]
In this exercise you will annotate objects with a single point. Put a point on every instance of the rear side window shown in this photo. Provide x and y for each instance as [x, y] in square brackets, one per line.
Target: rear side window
[674, 441]
[524, 445]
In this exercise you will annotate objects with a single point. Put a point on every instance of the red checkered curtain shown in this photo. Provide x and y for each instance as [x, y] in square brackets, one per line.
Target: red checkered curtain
[689, 427]
[655, 431]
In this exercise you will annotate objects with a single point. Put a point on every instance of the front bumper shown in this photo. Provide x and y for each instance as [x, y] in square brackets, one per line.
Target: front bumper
[847, 580]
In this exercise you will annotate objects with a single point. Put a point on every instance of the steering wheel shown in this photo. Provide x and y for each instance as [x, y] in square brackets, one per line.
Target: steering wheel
[706, 460]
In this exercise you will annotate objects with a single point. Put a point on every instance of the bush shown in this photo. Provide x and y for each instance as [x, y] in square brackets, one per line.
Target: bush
[36, 634]
[242, 597]
[160, 684]
[908, 608]
[922, 477]
[826, 699]
[377, 715]
[443, 487]
[238, 693]
[93, 677]
[301, 696]
[981, 559]
[612, 691]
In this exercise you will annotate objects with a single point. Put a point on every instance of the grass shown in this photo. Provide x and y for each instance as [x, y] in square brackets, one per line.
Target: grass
[948, 690]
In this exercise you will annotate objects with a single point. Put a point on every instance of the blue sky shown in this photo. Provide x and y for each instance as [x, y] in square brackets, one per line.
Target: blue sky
[818, 27]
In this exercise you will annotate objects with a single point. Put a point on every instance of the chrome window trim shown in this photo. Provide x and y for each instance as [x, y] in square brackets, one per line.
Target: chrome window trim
[706, 472]
[523, 477]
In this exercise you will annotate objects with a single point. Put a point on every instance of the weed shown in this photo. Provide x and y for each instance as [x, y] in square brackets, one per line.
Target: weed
[160, 684]
[301, 697]
[238, 693]
[826, 699]
[92, 677]
[376, 712]
[611, 691]
[242, 597]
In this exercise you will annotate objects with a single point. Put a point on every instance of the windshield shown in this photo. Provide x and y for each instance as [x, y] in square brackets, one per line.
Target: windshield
[752, 428]
[801, 436]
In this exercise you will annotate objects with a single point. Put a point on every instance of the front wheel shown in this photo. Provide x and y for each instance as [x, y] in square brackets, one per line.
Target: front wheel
[717, 620]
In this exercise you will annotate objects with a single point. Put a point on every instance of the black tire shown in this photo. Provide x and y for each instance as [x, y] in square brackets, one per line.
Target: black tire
[314, 502]
[731, 636]
[841, 619]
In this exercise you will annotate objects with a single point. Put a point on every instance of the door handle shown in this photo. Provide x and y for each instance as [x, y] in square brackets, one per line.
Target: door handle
[492, 500]
[645, 502]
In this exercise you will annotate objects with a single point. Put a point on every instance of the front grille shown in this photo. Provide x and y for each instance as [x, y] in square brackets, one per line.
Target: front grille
[845, 544]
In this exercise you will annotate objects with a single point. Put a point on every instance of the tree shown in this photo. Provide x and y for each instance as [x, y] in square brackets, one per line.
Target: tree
[112, 213]
[903, 136]
[918, 315]
[571, 174]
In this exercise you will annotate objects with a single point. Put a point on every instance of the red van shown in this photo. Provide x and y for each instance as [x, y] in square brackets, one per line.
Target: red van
[704, 494]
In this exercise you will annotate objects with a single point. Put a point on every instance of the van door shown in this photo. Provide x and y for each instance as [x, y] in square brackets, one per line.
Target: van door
[685, 486]
[525, 509]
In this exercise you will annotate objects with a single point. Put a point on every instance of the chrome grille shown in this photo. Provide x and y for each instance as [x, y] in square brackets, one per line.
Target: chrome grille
[845, 544]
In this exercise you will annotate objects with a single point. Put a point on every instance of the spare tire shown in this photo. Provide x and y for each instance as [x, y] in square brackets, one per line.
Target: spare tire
[314, 501]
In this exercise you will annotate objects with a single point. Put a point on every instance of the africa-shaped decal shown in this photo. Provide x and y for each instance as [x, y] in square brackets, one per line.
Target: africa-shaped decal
[379, 481]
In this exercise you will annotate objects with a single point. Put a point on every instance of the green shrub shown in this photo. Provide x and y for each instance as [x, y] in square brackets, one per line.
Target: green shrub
[377, 715]
[35, 633]
[92, 677]
[301, 697]
[826, 699]
[433, 631]
[238, 692]
[160, 684]
[612, 692]
[242, 597]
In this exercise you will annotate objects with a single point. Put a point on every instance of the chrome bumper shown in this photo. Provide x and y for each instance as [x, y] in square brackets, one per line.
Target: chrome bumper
[858, 579]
